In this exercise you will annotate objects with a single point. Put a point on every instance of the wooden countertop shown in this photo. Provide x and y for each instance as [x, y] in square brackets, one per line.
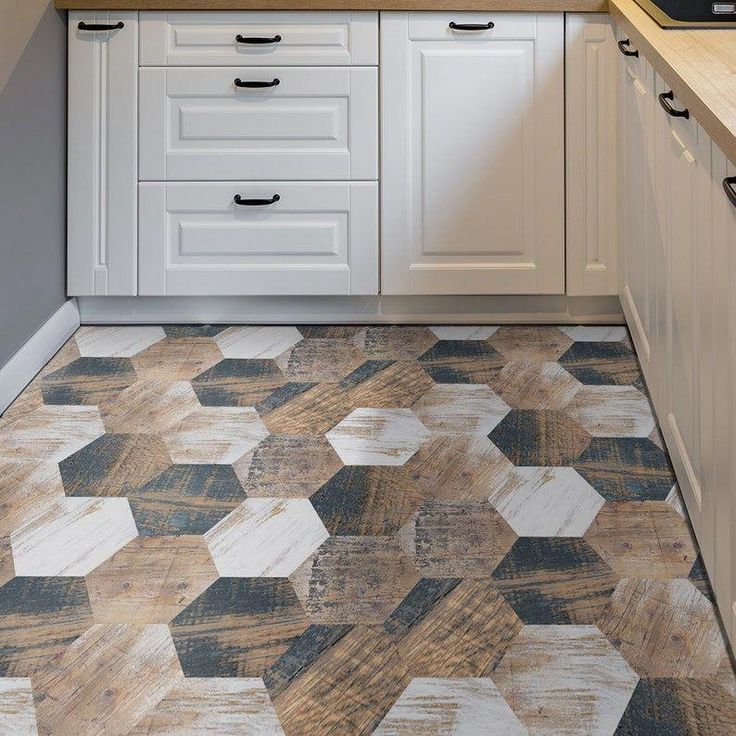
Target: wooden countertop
[699, 65]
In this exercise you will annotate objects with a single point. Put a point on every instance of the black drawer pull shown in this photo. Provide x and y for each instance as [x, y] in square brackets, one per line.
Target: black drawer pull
[729, 186]
[101, 26]
[256, 85]
[257, 39]
[624, 48]
[255, 202]
[663, 100]
[472, 26]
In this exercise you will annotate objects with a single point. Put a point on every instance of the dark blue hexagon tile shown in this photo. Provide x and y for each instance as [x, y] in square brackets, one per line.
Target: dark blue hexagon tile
[462, 361]
[88, 381]
[238, 382]
[602, 363]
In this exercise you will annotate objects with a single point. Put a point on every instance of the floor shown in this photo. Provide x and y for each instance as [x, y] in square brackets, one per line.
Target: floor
[349, 530]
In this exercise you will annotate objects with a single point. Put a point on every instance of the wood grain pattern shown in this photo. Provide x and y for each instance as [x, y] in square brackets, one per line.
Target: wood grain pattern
[17, 715]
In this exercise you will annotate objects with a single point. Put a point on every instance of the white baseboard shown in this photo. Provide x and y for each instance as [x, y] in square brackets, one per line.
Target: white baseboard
[375, 309]
[20, 370]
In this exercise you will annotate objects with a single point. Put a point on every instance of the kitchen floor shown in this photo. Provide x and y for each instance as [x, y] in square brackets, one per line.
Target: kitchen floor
[349, 530]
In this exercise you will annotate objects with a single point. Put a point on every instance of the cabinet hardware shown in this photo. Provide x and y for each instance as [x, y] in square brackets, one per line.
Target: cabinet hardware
[624, 48]
[729, 186]
[100, 26]
[257, 39]
[663, 100]
[255, 202]
[256, 85]
[472, 26]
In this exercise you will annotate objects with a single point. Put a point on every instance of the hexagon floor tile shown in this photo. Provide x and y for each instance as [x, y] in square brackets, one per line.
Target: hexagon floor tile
[338, 530]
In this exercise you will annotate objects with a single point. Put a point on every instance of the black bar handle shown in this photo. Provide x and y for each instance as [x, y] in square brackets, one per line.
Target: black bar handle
[625, 48]
[256, 85]
[663, 100]
[472, 26]
[729, 186]
[255, 202]
[257, 39]
[101, 26]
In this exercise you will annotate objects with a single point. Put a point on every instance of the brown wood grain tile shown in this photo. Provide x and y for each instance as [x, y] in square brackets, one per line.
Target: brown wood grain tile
[391, 342]
[389, 385]
[313, 411]
[320, 359]
[523, 384]
[530, 343]
[176, 359]
[27, 490]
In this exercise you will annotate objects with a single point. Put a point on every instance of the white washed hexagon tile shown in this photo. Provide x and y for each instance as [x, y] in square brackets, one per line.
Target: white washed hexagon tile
[116, 342]
[257, 341]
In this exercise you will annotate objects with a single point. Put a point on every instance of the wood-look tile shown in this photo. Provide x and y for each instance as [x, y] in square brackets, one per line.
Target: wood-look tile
[676, 502]
[354, 580]
[17, 714]
[257, 342]
[565, 681]
[114, 465]
[186, 499]
[149, 407]
[378, 436]
[311, 410]
[26, 491]
[462, 361]
[236, 382]
[150, 580]
[698, 576]
[453, 628]
[546, 502]
[626, 469]
[239, 627]
[106, 681]
[336, 332]
[39, 619]
[266, 537]
[88, 381]
[612, 411]
[457, 539]
[529, 385]
[383, 384]
[30, 400]
[660, 707]
[664, 628]
[391, 342]
[725, 676]
[643, 539]
[176, 359]
[72, 537]
[116, 342]
[464, 332]
[7, 567]
[215, 434]
[369, 500]
[602, 363]
[555, 580]
[50, 433]
[320, 359]
[68, 353]
[460, 409]
[537, 344]
[540, 438]
[193, 331]
[461, 705]
[596, 333]
[213, 706]
[348, 690]
[287, 466]
[459, 468]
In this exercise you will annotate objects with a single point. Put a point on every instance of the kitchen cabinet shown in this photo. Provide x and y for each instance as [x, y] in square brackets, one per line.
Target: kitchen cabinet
[472, 153]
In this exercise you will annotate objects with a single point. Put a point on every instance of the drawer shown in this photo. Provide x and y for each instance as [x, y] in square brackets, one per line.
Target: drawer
[317, 238]
[426, 26]
[257, 38]
[197, 124]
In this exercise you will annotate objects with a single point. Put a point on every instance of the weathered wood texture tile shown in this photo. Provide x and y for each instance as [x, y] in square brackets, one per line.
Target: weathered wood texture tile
[389, 342]
[257, 342]
[26, 491]
[602, 363]
[88, 381]
[612, 411]
[17, 714]
[234, 382]
[385, 384]
[462, 361]
[116, 342]
[306, 408]
[532, 343]
[176, 359]
[527, 385]
[318, 359]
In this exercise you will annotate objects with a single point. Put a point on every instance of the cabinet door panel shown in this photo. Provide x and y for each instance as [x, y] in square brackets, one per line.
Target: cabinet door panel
[473, 196]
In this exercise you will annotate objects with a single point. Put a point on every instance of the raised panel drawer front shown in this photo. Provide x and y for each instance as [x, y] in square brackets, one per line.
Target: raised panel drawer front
[473, 153]
[284, 238]
[310, 123]
[256, 38]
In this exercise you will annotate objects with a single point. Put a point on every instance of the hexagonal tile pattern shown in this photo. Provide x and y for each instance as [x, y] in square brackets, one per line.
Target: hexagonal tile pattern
[602, 364]
[116, 342]
[539, 438]
[17, 714]
[266, 537]
[565, 680]
[664, 628]
[320, 359]
[612, 411]
[453, 706]
[26, 491]
[527, 385]
[462, 361]
[389, 342]
[257, 342]
[381, 384]
[596, 333]
[176, 359]
[378, 437]
[215, 434]
[460, 409]
[234, 382]
[88, 381]
[546, 502]
[464, 332]
[530, 343]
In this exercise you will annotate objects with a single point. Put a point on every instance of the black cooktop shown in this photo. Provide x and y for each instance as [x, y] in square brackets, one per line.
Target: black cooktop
[691, 13]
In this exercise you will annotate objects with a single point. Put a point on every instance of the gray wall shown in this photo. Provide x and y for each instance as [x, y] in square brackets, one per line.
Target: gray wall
[32, 169]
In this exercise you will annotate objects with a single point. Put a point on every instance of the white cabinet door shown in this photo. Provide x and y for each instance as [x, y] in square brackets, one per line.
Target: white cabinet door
[473, 154]
[102, 154]
[280, 238]
[208, 124]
